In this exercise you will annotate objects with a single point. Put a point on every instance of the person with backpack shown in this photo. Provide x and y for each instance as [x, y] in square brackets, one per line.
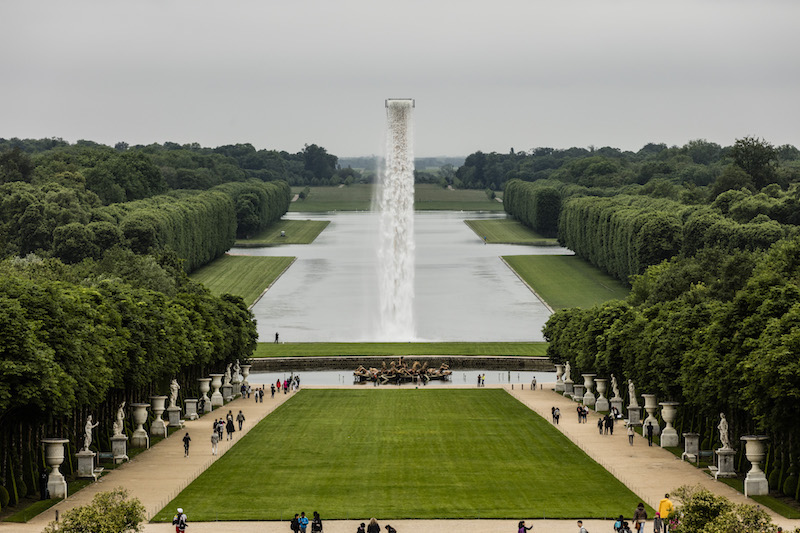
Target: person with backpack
[179, 521]
[295, 525]
[582, 529]
[618, 524]
[361, 528]
[186, 440]
[390, 529]
[639, 518]
[214, 442]
[303, 522]
[240, 419]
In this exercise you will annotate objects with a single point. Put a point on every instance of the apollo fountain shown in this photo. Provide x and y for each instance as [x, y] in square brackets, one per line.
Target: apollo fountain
[395, 205]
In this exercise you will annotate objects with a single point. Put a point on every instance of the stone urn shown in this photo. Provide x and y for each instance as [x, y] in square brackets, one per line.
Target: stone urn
[216, 396]
[54, 457]
[669, 435]
[245, 373]
[158, 428]
[559, 381]
[588, 396]
[755, 484]
[650, 405]
[205, 386]
[601, 404]
[140, 438]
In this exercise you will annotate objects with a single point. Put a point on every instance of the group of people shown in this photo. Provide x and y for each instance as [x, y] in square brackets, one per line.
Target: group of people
[665, 507]
[481, 380]
[293, 384]
[556, 412]
[300, 523]
[605, 425]
[583, 414]
[374, 527]
[225, 425]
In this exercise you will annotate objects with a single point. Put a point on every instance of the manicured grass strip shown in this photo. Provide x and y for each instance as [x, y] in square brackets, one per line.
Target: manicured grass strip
[404, 453]
[780, 507]
[508, 232]
[245, 276]
[321, 199]
[297, 232]
[566, 280]
[38, 507]
[327, 349]
[429, 197]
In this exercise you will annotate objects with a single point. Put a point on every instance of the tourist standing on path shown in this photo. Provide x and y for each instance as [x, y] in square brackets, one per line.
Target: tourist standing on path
[639, 518]
[272, 388]
[179, 521]
[240, 419]
[276, 337]
[361, 528]
[295, 525]
[373, 526]
[220, 428]
[521, 527]
[581, 529]
[303, 522]
[630, 433]
[665, 507]
[557, 415]
[649, 433]
[186, 440]
[600, 425]
[316, 523]
[214, 442]
[229, 428]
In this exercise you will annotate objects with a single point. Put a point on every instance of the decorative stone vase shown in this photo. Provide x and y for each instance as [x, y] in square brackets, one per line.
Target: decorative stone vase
[140, 438]
[54, 457]
[245, 373]
[650, 405]
[158, 428]
[216, 396]
[669, 435]
[588, 396]
[755, 484]
[691, 447]
[601, 404]
[559, 381]
[205, 386]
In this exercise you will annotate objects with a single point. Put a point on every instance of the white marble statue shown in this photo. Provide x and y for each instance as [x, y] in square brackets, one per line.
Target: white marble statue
[567, 371]
[120, 420]
[87, 433]
[227, 379]
[632, 394]
[173, 393]
[237, 371]
[614, 386]
[723, 432]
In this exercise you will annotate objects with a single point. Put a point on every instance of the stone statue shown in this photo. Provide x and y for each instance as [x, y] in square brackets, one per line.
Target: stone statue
[173, 393]
[567, 371]
[227, 379]
[87, 433]
[120, 420]
[237, 371]
[614, 386]
[723, 432]
[632, 394]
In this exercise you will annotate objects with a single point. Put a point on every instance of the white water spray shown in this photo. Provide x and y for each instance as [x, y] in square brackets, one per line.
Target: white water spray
[395, 201]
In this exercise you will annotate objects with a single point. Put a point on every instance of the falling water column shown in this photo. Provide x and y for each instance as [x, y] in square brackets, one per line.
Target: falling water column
[396, 227]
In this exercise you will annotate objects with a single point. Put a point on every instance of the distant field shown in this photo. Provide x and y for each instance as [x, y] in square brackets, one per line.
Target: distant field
[305, 349]
[508, 231]
[297, 232]
[359, 198]
[397, 454]
[245, 276]
[566, 280]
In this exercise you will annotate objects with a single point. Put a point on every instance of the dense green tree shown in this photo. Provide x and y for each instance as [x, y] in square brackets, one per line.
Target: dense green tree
[756, 157]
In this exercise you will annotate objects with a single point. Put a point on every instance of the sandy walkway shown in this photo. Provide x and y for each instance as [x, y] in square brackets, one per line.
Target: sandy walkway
[156, 476]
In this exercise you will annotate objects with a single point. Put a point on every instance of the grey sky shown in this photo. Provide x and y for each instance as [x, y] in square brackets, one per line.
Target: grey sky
[486, 75]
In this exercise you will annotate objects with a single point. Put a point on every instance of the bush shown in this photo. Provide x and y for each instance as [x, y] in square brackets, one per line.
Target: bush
[22, 488]
[3, 497]
[790, 485]
[109, 512]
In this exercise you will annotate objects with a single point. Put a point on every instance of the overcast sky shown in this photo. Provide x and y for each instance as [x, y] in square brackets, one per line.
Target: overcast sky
[487, 75]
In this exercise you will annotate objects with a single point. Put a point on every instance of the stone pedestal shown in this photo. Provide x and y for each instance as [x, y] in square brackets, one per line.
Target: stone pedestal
[755, 484]
[588, 385]
[205, 386]
[559, 382]
[191, 409]
[601, 404]
[174, 417]
[140, 438]
[634, 415]
[119, 448]
[245, 373]
[577, 392]
[725, 467]
[86, 464]
[569, 388]
[227, 392]
[691, 447]
[216, 396]
[158, 428]
[669, 435]
[617, 402]
[650, 405]
[54, 457]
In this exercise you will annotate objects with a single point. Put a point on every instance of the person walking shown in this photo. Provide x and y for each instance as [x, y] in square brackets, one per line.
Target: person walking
[581, 529]
[665, 507]
[272, 389]
[179, 521]
[600, 425]
[229, 428]
[557, 415]
[373, 526]
[303, 522]
[316, 523]
[220, 428]
[521, 527]
[276, 337]
[630, 433]
[214, 442]
[240, 419]
[639, 518]
[649, 433]
[186, 440]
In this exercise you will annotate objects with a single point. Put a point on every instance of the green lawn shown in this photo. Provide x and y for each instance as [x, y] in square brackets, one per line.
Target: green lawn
[245, 276]
[507, 231]
[297, 232]
[566, 280]
[426, 197]
[301, 349]
[404, 453]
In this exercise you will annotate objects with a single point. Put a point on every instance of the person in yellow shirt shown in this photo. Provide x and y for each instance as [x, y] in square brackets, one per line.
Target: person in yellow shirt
[665, 507]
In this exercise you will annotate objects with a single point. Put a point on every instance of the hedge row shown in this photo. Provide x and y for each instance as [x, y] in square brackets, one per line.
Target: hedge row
[535, 204]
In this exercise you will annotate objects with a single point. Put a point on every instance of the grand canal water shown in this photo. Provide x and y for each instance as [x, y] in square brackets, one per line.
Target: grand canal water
[463, 291]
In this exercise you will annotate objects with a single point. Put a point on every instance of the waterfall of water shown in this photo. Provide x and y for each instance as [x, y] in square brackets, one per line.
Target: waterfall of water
[395, 201]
